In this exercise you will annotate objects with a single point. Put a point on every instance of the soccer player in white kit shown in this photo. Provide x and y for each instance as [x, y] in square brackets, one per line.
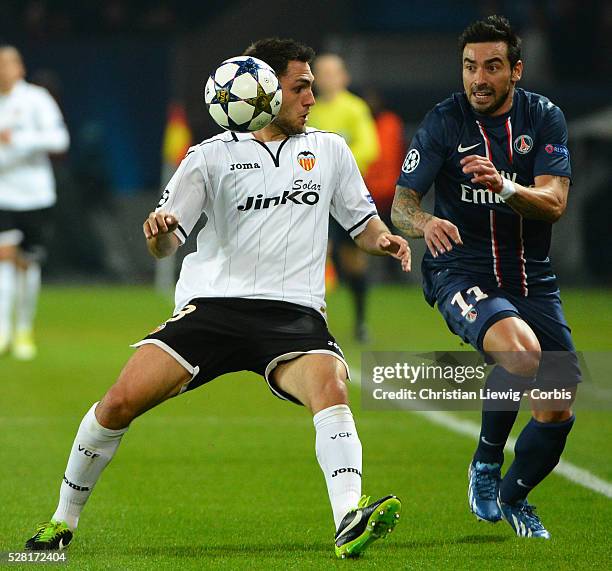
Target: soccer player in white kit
[251, 297]
[31, 127]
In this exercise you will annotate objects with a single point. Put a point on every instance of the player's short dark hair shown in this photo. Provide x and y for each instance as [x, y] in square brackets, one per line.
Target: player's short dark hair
[277, 53]
[7, 46]
[492, 29]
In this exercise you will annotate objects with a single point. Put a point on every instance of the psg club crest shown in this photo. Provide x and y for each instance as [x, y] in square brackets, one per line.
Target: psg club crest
[307, 160]
[523, 144]
[471, 315]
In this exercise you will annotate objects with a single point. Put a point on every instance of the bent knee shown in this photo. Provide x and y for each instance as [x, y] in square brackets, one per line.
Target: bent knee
[331, 392]
[522, 362]
[336, 388]
[116, 410]
[514, 346]
[521, 355]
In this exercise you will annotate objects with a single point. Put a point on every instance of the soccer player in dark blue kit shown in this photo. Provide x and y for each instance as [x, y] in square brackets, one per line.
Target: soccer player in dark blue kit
[499, 160]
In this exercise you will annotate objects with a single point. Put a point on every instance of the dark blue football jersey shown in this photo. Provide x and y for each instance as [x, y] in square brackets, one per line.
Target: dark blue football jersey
[498, 244]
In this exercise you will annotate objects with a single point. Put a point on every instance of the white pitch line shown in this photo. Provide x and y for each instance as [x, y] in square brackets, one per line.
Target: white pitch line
[566, 469]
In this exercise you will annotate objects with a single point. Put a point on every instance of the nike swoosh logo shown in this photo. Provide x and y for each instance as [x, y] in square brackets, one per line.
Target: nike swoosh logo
[520, 483]
[462, 149]
[490, 443]
[356, 520]
[61, 543]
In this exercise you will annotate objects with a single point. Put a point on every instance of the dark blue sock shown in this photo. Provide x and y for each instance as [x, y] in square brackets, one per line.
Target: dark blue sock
[537, 452]
[498, 415]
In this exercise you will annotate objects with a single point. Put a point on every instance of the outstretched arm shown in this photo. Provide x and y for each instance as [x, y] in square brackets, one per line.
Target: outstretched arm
[546, 200]
[378, 240]
[159, 230]
[412, 220]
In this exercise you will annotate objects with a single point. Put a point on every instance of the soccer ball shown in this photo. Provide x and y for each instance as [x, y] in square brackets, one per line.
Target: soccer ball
[243, 94]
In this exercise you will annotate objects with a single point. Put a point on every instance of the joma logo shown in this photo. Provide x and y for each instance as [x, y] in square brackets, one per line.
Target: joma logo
[75, 487]
[243, 166]
[345, 470]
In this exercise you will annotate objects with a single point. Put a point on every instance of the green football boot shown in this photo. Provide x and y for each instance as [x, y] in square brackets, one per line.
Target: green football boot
[365, 524]
[51, 535]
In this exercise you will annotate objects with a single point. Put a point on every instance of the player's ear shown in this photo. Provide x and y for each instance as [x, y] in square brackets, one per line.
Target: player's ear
[517, 71]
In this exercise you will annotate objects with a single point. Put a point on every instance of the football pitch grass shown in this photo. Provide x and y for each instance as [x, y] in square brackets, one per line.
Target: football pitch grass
[225, 477]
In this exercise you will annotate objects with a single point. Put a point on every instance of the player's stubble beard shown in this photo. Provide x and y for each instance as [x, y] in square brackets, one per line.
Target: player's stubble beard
[286, 128]
[498, 102]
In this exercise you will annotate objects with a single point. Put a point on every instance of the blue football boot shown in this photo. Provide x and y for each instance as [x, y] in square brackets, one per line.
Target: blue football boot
[522, 519]
[483, 488]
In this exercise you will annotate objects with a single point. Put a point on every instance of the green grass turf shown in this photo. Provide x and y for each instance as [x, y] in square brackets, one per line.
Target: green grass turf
[225, 477]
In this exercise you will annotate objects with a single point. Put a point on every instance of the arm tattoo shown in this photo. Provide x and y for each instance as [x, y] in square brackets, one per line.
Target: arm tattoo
[407, 214]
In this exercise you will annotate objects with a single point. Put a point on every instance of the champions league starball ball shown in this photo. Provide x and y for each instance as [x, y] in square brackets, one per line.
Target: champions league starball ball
[243, 94]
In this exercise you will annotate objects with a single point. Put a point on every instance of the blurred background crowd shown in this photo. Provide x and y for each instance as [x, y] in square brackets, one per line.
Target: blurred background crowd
[128, 76]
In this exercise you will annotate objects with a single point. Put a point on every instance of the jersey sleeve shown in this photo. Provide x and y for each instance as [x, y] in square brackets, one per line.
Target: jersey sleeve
[351, 204]
[552, 155]
[425, 155]
[185, 195]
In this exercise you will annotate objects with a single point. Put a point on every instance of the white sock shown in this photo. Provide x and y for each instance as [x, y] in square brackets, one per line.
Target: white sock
[93, 448]
[8, 286]
[27, 298]
[339, 455]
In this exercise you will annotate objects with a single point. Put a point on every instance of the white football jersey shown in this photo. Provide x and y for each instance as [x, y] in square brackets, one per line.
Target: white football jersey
[267, 207]
[37, 128]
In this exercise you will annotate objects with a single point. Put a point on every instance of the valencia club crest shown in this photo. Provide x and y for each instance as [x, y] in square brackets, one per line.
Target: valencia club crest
[307, 160]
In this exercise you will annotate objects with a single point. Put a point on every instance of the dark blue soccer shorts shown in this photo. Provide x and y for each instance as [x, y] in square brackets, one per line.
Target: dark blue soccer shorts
[470, 305]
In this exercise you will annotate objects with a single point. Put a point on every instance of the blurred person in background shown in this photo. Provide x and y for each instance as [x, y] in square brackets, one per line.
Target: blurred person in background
[382, 173]
[31, 127]
[342, 112]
